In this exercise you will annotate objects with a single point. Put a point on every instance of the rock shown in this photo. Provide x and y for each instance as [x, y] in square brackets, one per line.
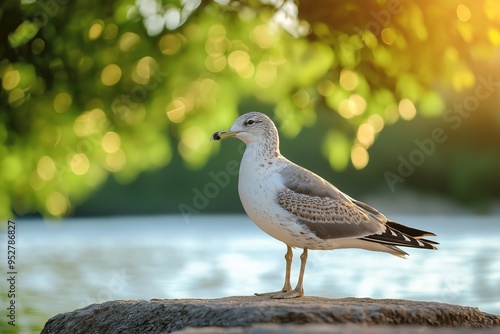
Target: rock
[258, 315]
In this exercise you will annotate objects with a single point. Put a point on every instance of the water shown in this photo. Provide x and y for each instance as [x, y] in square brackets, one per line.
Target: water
[76, 262]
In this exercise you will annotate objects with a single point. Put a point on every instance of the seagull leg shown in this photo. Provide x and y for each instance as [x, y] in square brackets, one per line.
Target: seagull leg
[299, 289]
[287, 286]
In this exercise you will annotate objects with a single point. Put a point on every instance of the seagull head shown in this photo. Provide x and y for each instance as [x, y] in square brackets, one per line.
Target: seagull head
[250, 128]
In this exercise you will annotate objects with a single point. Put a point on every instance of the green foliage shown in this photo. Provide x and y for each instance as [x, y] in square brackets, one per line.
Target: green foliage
[91, 89]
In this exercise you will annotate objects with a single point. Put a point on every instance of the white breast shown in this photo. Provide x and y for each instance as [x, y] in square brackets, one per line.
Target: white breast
[258, 185]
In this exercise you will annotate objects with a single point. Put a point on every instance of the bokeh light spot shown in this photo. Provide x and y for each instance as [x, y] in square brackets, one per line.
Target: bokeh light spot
[301, 99]
[96, 29]
[111, 142]
[366, 134]
[494, 36]
[359, 102]
[115, 162]
[326, 87]
[11, 79]
[111, 74]
[62, 102]
[144, 70]
[463, 13]
[57, 204]
[355, 105]
[16, 97]
[263, 36]
[238, 59]
[37, 46]
[89, 122]
[377, 122]
[388, 36]
[217, 31]
[170, 44]
[128, 40]
[346, 108]
[176, 110]
[46, 168]
[359, 157]
[110, 32]
[462, 79]
[348, 79]
[407, 109]
[36, 182]
[80, 164]
[215, 63]
[192, 137]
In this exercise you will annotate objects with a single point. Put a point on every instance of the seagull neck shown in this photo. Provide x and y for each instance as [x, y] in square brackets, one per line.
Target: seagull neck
[258, 151]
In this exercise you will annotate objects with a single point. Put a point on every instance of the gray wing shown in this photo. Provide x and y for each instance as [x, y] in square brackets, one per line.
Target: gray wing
[324, 209]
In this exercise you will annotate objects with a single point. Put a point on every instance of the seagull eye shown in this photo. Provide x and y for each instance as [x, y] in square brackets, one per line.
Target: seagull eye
[250, 122]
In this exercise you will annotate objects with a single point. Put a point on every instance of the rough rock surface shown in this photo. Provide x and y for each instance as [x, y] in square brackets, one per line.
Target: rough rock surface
[263, 315]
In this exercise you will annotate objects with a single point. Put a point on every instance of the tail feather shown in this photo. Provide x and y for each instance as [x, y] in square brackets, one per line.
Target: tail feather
[397, 234]
[410, 231]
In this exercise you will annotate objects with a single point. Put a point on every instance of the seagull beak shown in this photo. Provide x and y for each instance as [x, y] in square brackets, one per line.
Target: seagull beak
[223, 134]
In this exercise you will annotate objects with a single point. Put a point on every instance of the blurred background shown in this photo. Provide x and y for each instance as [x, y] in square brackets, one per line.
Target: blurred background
[107, 110]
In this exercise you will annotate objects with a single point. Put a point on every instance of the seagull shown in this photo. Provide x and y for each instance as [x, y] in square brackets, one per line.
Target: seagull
[303, 210]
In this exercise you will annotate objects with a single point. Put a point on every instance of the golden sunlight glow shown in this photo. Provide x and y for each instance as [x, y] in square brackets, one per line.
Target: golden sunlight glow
[359, 157]
[111, 74]
[407, 109]
[80, 164]
[46, 168]
[111, 142]
[348, 79]
[57, 203]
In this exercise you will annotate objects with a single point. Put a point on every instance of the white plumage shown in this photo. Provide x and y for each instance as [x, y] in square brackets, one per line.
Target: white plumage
[302, 209]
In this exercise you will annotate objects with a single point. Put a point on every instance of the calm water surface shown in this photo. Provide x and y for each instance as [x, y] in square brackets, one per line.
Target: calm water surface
[76, 262]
